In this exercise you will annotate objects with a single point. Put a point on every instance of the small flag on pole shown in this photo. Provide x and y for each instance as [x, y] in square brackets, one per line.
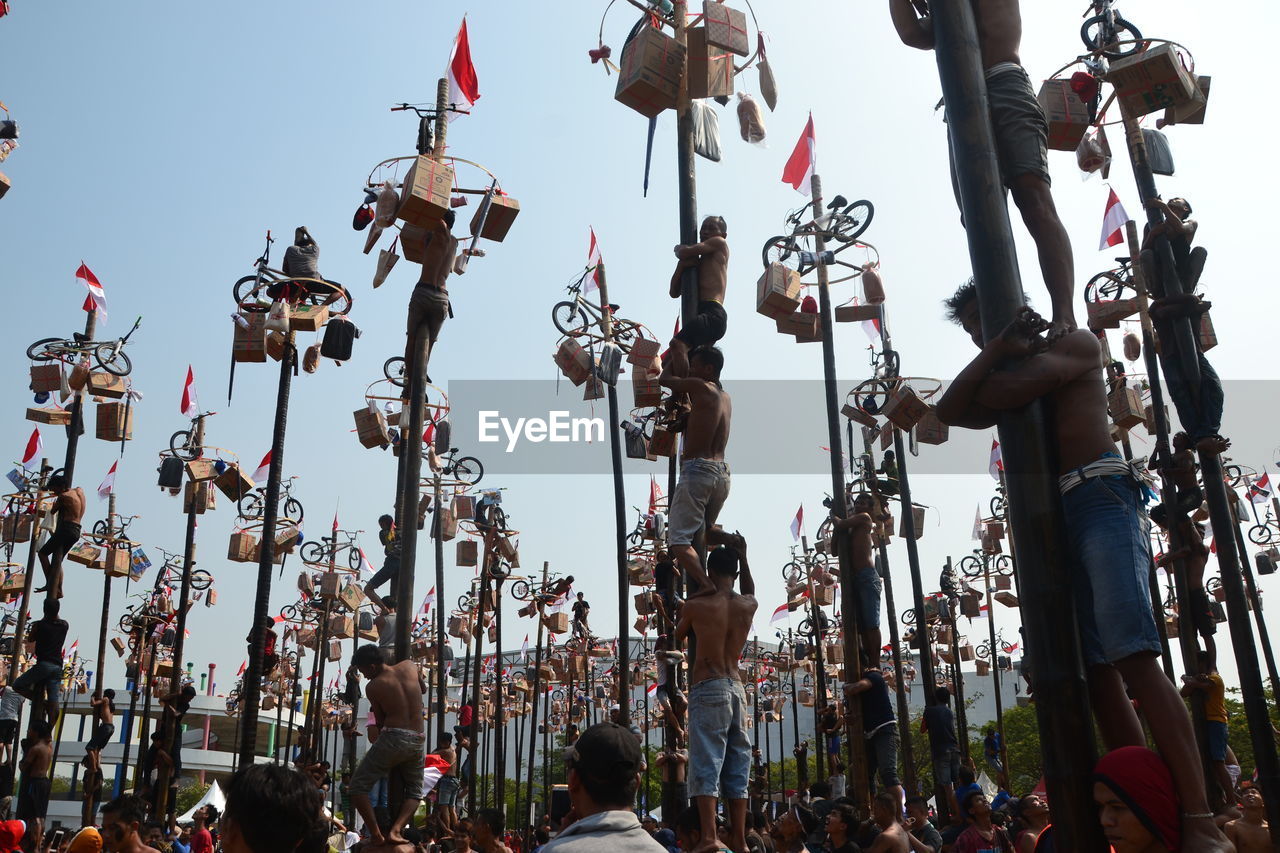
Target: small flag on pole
[593, 260]
[464, 87]
[803, 161]
[429, 601]
[780, 614]
[190, 407]
[35, 446]
[1260, 489]
[264, 469]
[996, 463]
[108, 482]
[97, 298]
[433, 769]
[524, 650]
[797, 524]
[977, 524]
[1113, 222]
[365, 565]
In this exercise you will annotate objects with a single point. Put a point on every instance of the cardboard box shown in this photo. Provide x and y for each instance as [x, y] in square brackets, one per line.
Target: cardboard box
[79, 376]
[17, 528]
[201, 495]
[234, 482]
[424, 198]
[503, 210]
[857, 313]
[1008, 599]
[662, 442]
[46, 378]
[556, 623]
[242, 547]
[352, 596]
[1151, 80]
[275, 345]
[53, 417]
[308, 318]
[84, 554]
[917, 519]
[995, 530]
[106, 385]
[342, 627]
[930, 430]
[1067, 115]
[646, 391]
[643, 352]
[115, 421]
[574, 362]
[1193, 111]
[371, 427]
[726, 27]
[778, 291]
[649, 75]
[886, 435]
[116, 561]
[250, 344]
[464, 506]
[904, 408]
[801, 325]
[710, 67]
[1125, 406]
[1107, 315]
[467, 553]
[1208, 337]
[857, 415]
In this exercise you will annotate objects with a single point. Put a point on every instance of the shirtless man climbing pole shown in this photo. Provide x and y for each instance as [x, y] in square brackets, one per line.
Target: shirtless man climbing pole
[429, 303]
[395, 698]
[1021, 133]
[719, 749]
[861, 525]
[704, 476]
[1107, 533]
[69, 505]
[711, 257]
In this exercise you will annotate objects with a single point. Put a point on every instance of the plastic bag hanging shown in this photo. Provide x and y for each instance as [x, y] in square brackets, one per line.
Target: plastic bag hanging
[386, 260]
[750, 119]
[768, 86]
[278, 317]
[706, 131]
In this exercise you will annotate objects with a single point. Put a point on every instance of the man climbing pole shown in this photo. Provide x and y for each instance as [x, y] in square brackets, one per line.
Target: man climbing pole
[1021, 132]
[711, 257]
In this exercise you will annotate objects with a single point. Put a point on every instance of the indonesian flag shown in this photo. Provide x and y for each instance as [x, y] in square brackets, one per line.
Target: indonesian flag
[996, 464]
[335, 522]
[463, 85]
[663, 356]
[189, 407]
[365, 565]
[655, 494]
[593, 260]
[1260, 489]
[264, 469]
[1113, 222]
[108, 482]
[651, 689]
[524, 650]
[243, 665]
[803, 162]
[1014, 647]
[429, 601]
[780, 615]
[71, 652]
[977, 524]
[797, 524]
[433, 769]
[35, 446]
[97, 298]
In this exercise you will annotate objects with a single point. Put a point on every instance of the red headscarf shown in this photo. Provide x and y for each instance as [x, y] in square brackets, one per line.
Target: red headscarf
[1142, 781]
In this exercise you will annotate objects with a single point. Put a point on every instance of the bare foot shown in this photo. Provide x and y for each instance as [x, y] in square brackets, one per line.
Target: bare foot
[1203, 835]
[1058, 330]
[1213, 445]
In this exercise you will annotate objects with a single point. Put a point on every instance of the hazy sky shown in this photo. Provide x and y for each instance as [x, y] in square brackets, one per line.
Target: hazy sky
[160, 141]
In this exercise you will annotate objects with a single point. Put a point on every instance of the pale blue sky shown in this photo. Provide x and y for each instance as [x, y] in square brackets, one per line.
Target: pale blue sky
[160, 141]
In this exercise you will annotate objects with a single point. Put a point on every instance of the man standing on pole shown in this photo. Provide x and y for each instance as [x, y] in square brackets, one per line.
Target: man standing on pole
[1021, 131]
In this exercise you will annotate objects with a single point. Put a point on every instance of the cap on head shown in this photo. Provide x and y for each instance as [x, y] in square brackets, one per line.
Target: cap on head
[606, 753]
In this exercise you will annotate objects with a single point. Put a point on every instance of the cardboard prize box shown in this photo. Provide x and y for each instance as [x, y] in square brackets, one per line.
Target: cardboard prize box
[115, 421]
[503, 210]
[117, 562]
[249, 344]
[308, 318]
[52, 417]
[46, 378]
[84, 554]
[1108, 314]
[1067, 115]
[424, 198]
[804, 326]
[726, 27]
[574, 362]
[778, 292]
[557, 623]
[371, 427]
[1125, 406]
[710, 67]
[241, 547]
[201, 494]
[649, 79]
[857, 313]
[467, 553]
[201, 470]
[352, 596]
[904, 408]
[643, 351]
[930, 430]
[106, 385]
[645, 388]
[234, 482]
[1151, 80]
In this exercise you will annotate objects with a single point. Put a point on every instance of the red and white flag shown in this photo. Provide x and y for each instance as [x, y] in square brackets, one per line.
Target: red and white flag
[190, 406]
[429, 601]
[803, 161]
[524, 650]
[977, 524]
[97, 298]
[779, 615]
[797, 524]
[1260, 489]
[593, 260]
[655, 494]
[243, 665]
[71, 652]
[1113, 222]
[264, 469]
[365, 565]
[996, 464]
[651, 689]
[108, 482]
[433, 769]
[464, 88]
[35, 446]
[335, 522]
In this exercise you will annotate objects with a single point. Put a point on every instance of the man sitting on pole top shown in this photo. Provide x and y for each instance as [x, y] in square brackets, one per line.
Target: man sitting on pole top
[1021, 135]
[1107, 530]
[704, 476]
[711, 257]
[719, 749]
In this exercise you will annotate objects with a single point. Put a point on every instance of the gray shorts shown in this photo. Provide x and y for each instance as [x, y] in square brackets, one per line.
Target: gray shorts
[1021, 129]
[395, 751]
[699, 497]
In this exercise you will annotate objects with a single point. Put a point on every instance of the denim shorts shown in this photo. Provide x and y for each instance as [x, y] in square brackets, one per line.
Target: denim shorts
[868, 585]
[43, 678]
[719, 749]
[1109, 535]
[946, 768]
[700, 494]
[395, 751]
[447, 790]
[1217, 737]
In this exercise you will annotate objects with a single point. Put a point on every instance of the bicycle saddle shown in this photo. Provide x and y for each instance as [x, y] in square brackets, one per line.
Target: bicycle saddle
[838, 201]
[79, 337]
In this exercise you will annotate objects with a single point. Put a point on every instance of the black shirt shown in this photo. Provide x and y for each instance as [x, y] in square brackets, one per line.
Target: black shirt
[49, 635]
[876, 707]
[940, 722]
[580, 609]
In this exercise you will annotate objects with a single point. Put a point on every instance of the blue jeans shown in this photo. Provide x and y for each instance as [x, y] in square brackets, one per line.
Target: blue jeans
[43, 678]
[1217, 738]
[868, 585]
[700, 494]
[946, 768]
[1108, 532]
[719, 749]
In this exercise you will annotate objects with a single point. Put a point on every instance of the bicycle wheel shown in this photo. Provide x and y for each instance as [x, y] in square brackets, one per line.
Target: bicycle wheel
[520, 589]
[1260, 534]
[126, 623]
[465, 603]
[469, 470]
[971, 567]
[1105, 287]
[353, 557]
[565, 315]
[1093, 31]
[781, 250]
[625, 330]
[38, 351]
[181, 445]
[998, 507]
[853, 220]
[101, 528]
[245, 292]
[201, 579]
[289, 612]
[251, 505]
[293, 511]
[908, 617]
[635, 537]
[315, 552]
[394, 369]
[113, 359]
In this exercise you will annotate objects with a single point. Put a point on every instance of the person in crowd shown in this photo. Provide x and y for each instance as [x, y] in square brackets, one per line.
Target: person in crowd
[44, 679]
[385, 623]
[1106, 529]
[719, 749]
[922, 834]
[1209, 683]
[447, 787]
[792, 827]
[1250, 833]
[991, 751]
[842, 822]
[69, 506]
[980, 834]
[10, 710]
[201, 838]
[1033, 812]
[270, 808]
[581, 613]
[711, 258]
[939, 723]
[1138, 803]
[104, 711]
[33, 795]
[604, 768]
[879, 727]
[486, 831]
[674, 764]
[861, 525]
[122, 822]
[688, 829]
